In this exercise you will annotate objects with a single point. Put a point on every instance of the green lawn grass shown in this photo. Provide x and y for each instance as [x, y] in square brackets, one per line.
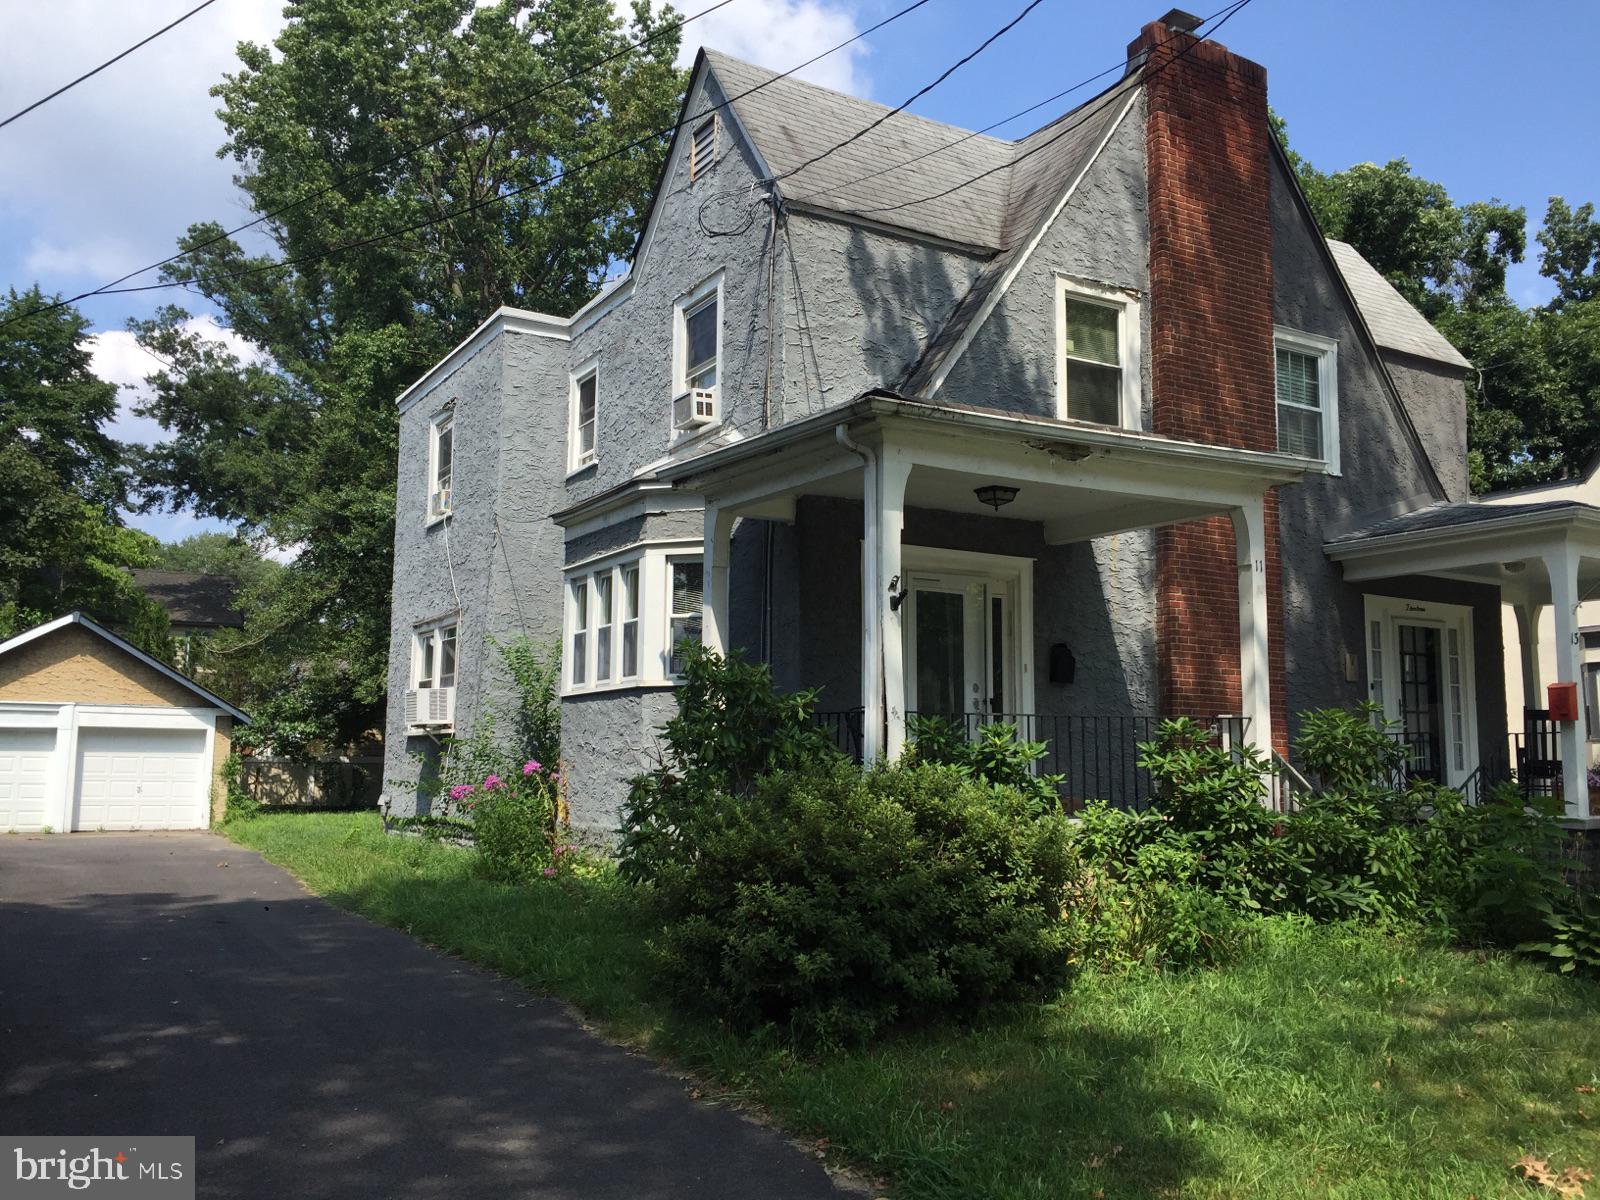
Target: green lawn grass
[1327, 1064]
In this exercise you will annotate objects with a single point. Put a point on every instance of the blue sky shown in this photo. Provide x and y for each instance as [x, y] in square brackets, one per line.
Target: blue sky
[1488, 99]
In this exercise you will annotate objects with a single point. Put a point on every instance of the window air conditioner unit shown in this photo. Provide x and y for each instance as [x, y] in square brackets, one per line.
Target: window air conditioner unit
[694, 408]
[431, 708]
[440, 503]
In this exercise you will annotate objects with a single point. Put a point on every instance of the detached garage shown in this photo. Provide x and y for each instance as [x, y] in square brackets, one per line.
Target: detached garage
[97, 734]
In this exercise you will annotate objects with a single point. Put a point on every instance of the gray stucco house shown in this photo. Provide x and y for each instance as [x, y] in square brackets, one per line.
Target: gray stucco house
[1082, 430]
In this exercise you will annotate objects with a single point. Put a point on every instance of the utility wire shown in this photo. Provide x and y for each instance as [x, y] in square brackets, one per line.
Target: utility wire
[1231, 11]
[1120, 65]
[469, 122]
[509, 193]
[915, 96]
[67, 87]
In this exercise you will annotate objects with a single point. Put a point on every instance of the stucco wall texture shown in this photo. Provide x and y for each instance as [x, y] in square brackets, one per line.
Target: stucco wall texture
[495, 563]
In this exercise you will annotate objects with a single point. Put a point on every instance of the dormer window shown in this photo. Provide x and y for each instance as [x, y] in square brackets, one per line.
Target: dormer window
[441, 452]
[1097, 355]
[702, 148]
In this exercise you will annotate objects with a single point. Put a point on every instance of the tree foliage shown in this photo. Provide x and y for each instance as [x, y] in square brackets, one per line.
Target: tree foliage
[299, 447]
[1534, 395]
[64, 479]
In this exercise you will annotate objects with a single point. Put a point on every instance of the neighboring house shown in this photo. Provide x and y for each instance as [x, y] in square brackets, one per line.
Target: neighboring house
[196, 604]
[96, 734]
[1081, 430]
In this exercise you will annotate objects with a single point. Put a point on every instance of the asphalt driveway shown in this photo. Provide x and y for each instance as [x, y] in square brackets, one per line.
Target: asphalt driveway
[178, 984]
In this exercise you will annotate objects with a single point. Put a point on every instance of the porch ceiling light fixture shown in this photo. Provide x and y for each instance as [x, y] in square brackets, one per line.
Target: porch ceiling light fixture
[995, 495]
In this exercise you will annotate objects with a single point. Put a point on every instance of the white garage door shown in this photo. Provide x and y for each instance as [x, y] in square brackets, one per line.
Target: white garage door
[25, 761]
[140, 779]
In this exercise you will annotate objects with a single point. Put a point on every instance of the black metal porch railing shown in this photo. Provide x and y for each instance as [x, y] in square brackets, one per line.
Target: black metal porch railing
[1097, 753]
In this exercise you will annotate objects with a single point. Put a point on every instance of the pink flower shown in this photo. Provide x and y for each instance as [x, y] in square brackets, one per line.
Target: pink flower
[491, 782]
[549, 872]
[461, 791]
[529, 767]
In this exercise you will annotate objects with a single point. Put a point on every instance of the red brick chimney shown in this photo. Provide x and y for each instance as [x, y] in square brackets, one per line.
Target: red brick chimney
[1211, 353]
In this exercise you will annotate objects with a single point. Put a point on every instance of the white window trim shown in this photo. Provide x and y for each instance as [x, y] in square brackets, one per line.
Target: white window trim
[653, 561]
[1326, 351]
[436, 423]
[680, 353]
[430, 629]
[1128, 345]
[577, 461]
[1387, 612]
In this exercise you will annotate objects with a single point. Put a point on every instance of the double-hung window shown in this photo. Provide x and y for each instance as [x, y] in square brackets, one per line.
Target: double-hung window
[1306, 368]
[700, 337]
[1097, 361]
[434, 656]
[441, 451]
[696, 355]
[685, 608]
[585, 410]
[626, 616]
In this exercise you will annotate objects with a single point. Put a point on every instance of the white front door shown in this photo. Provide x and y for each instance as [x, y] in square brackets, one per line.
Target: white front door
[140, 779]
[1420, 670]
[25, 769]
[960, 646]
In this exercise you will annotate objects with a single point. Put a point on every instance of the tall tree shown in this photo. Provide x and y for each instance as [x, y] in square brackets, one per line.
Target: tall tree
[64, 480]
[1534, 395]
[300, 447]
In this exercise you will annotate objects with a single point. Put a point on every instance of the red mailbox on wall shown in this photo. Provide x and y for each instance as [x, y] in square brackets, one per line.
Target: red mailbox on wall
[1562, 700]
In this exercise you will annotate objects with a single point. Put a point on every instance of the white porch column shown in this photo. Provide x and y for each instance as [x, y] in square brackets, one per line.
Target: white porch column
[1562, 565]
[1527, 614]
[893, 470]
[714, 627]
[1255, 670]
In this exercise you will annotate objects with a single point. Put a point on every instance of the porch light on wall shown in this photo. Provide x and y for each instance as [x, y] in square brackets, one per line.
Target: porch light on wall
[995, 495]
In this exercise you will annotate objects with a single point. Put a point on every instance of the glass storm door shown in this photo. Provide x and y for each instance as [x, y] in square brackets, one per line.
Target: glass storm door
[1422, 698]
[958, 647]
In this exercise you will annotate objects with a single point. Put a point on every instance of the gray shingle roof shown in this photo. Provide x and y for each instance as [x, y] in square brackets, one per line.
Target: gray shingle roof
[1395, 324]
[191, 597]
[1453, 516]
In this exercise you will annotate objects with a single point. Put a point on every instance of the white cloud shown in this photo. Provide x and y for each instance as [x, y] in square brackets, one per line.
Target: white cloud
[104, 178]
[777, 34]
[117, 357]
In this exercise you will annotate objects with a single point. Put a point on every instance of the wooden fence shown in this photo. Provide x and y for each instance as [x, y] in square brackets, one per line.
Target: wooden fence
[320, 783]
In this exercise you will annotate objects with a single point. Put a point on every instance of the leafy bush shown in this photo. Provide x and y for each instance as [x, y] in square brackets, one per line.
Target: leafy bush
[835, 902]
[513, 823]
[731, 729]
[796, 890]
[535, 674]
[996, 756]
[1572, 937]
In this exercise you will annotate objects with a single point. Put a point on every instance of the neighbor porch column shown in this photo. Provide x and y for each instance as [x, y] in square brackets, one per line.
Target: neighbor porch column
[893, 470]
[1527, 614]
[714, 628]
[1255, 671]
[1562, 565]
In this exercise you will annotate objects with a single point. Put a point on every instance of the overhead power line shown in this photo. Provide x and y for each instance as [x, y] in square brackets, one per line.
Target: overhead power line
[499, 197]
[470, 122]
[1119, 65]
[67, 87]
[915, 96]
[1231, 11]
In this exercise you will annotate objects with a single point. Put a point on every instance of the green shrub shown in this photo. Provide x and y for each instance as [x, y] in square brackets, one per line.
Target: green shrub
[834, 902]
[513, 824]
[1572, 937]
[996, 756]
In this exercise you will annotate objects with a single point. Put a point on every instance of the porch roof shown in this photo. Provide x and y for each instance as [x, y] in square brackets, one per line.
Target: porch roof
[1082, 480]
[1499, 544]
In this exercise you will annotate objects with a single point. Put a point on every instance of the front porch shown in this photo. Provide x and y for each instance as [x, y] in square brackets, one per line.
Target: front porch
[993, 567]
[1537, 555]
